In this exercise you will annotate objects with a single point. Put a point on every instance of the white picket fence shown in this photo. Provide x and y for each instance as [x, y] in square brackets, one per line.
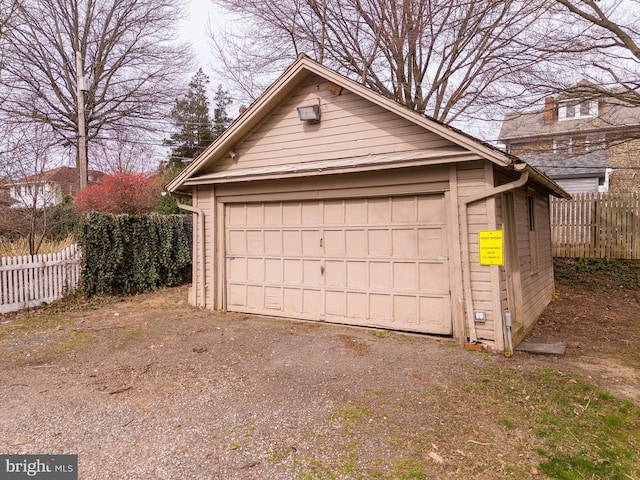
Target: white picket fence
[30, 280]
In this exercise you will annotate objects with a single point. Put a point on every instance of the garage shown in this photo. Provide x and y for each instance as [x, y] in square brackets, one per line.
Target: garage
[379, 262]
[325, 201]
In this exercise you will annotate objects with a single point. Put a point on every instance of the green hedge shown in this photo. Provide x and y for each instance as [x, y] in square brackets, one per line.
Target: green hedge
[126, 254]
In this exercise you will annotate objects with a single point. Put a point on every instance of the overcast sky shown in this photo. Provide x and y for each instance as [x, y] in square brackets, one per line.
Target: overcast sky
[202, 12]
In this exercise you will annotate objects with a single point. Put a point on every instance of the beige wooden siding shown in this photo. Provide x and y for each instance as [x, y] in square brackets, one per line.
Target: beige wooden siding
[472, 179]
[350, 126]
[536, 277]
[379, 262]
[203, 199]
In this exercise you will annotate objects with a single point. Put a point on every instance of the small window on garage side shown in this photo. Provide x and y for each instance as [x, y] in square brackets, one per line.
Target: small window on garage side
[533, 236]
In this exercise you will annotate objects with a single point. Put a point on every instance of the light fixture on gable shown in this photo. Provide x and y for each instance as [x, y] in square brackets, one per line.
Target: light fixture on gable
[309, 113]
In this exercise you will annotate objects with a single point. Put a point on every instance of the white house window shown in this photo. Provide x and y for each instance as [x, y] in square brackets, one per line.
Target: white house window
[577, 109]
[562, 145]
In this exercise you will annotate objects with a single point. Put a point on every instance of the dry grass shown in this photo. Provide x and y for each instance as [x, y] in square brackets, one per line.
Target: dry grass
[21, 247]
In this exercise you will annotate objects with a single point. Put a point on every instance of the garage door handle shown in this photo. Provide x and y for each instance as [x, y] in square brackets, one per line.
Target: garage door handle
[321, 270]
[230, 257]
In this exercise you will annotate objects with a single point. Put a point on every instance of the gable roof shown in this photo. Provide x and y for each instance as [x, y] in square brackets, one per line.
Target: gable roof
[62, 175]
[613, 115]
[286, 84]
[574, 165]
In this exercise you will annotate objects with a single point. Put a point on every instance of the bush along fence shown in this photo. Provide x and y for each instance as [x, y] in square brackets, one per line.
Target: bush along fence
[596, 225]
[31, 280]
[125, 254]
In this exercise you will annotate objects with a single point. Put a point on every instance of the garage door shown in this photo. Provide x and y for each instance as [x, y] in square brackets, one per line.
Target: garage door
[379, 262]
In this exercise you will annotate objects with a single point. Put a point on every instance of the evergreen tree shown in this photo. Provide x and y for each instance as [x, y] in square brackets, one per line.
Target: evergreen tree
[221, 119]
[194, 129]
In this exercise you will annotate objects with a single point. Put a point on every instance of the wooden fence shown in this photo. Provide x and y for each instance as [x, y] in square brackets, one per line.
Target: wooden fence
[597, 225]
[31, 280]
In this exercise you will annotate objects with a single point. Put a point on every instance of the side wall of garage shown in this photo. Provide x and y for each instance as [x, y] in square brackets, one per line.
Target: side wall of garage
[474, 178]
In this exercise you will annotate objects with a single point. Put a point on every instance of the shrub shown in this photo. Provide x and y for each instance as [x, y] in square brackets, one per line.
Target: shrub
[131, 193]
[126, 254]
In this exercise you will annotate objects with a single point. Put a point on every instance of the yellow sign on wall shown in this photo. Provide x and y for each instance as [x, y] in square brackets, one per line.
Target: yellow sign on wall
[491, 246]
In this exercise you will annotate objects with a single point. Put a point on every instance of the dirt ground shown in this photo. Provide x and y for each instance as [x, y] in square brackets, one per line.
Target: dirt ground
[601, 327]
[148, 387]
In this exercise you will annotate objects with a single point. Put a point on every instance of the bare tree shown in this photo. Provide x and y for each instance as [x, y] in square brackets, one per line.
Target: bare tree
[130, 59]
[27, 153]
[125, 152]
[614, 37]
[447, 58]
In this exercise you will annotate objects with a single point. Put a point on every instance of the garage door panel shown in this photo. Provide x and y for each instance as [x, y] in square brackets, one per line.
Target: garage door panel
[404, 210]
[379, 243]
[312, 213]
[357, 274]
[255, 242]
[431, 210]
[273, 214]
[379, 211]
[237, 269]
[292, 271]
[405, 276]
[334, 212]
[335, 274]
[255, 214]
[436, 312]
[431, 243]
[355, 211]
[236, 215]
[273, 270]
[255, 269]
[237, 295]
[311, 302]
[291, 213]
[380, 262]
[292, 300]
[405, 309]
[312, 273]
[273, 298]
[311, 243]
[431, 275]
[381, 275]
[356, 242]
[357, 305]
[292, 242]
[273, 242]
[238, 241]
[381, 308]
[255, 297]
[404, 243]
[334, 243]
[335, 303]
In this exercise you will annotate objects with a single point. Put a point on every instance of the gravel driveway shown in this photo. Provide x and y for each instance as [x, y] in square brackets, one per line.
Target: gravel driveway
[149, 388]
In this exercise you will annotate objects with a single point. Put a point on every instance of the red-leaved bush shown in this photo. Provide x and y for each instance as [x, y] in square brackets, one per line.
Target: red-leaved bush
[131, 193]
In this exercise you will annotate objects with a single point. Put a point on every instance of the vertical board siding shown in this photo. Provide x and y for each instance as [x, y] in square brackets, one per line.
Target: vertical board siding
[596, 225]
[30, 280]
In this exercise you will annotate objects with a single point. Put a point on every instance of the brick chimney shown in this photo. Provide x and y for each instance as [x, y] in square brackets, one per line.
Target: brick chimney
[549, 110]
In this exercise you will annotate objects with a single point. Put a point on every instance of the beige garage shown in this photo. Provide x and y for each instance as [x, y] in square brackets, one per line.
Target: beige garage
[367, 215]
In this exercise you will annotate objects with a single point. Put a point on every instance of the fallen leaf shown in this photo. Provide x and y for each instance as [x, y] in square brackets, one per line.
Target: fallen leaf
[435, 457]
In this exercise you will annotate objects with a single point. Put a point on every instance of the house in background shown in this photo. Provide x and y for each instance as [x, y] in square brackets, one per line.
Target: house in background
[585, 143]
[47, 188]
[5, 198]
[326, 201]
